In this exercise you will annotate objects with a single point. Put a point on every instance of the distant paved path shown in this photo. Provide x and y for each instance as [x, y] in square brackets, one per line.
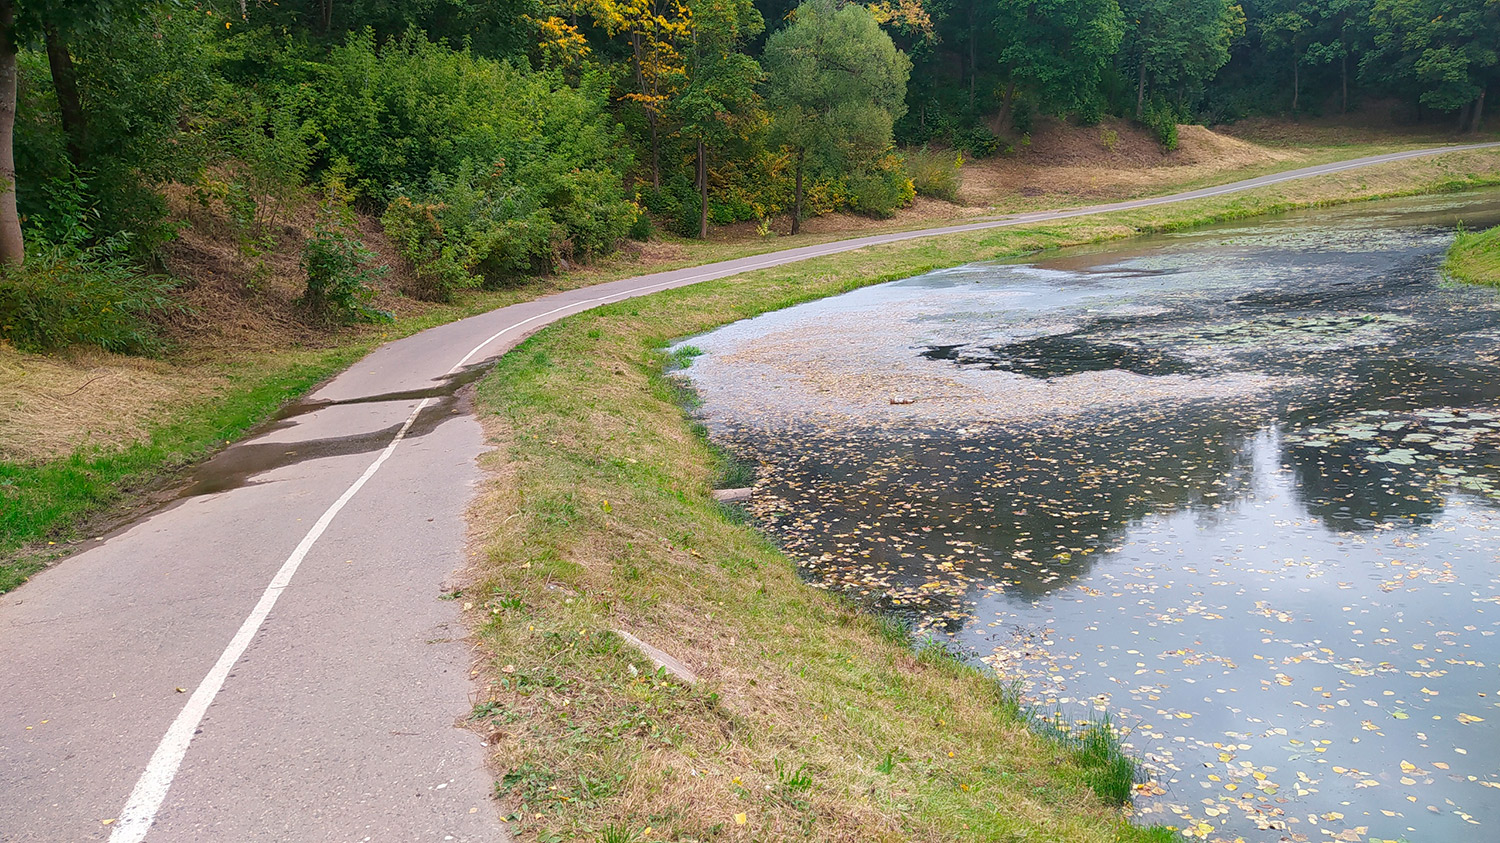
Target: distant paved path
[178, 679]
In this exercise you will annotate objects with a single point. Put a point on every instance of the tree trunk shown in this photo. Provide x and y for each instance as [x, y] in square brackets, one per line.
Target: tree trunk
[973, 60]
[702, 191]
[1477, 121]
[640, 81]
[1296, 79]
[327, 14]
[65, 83]
[12, 246]
[1003, 121]
[1140, 91]
[797, 202]
[1463, 116]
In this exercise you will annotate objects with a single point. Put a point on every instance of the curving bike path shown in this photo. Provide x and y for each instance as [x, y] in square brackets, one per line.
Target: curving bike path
[268, 659]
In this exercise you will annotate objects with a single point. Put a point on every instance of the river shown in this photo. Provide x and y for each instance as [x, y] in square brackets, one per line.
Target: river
[1238, 487]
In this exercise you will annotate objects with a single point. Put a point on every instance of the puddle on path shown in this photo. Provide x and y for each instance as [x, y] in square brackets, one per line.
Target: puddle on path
[236, 465]
[1240, 488]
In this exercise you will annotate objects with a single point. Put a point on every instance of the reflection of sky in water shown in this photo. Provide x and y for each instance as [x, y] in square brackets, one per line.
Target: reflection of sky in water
[1240, 488]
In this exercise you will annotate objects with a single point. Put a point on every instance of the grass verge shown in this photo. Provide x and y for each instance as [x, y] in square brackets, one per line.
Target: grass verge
[1474, 257]
[810, 719]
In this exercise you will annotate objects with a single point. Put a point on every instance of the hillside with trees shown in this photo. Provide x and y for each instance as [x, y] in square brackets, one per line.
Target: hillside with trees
[500, 140]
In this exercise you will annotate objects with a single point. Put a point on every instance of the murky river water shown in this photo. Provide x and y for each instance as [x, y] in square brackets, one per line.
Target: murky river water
[1240, 488]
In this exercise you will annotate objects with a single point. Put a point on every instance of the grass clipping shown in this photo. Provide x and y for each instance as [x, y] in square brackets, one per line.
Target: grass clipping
[810, 719]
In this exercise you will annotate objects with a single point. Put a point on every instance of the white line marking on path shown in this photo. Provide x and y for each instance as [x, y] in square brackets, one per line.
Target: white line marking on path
[140, 812]
[151, 789]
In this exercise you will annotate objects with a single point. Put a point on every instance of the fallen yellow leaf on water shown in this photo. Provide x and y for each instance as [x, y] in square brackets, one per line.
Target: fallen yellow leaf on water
[740, 819]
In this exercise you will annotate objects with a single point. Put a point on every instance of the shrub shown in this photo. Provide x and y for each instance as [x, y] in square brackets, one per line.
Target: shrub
[881, 189]
[977, 141]
[70, 295]
[338, 266]
[440, 267]
[1161, 119]
[879, 193]
[339, 276]
[489, 172]
[935, 173]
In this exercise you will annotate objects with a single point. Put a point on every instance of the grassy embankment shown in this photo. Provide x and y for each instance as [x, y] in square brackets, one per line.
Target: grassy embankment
[99, 432]
[1474, 257]
[811, 719]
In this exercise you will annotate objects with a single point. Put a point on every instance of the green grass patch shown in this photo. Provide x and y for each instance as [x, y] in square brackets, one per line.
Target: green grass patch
[1474, 257]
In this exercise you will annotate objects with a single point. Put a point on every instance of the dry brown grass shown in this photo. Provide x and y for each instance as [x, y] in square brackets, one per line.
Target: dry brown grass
[1066, 164]
[53, 403]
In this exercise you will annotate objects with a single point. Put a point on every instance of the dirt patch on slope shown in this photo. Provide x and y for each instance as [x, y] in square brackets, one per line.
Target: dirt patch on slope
[1114, 160]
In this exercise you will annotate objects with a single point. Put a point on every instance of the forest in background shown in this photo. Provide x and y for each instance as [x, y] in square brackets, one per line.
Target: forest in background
[500, 139]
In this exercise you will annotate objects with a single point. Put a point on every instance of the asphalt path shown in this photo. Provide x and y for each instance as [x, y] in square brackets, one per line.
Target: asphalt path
[268, 658]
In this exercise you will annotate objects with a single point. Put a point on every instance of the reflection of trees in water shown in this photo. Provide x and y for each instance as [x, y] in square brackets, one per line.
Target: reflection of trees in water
[1348, 492]
[931, 516]
[1342, 486]
[1030, 507]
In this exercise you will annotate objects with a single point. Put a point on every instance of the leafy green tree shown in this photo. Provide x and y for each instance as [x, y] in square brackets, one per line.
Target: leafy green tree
[1337, 36]
[717, 98]
[1285, 32]
[1177, 40]
[835, 85]
[55, 22]
[1449, 49]
[1055, 50]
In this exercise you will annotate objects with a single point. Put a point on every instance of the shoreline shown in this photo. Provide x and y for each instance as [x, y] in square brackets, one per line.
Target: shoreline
[596, 515]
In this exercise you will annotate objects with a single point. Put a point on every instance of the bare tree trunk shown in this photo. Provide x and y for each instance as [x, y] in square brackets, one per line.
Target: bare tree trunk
[327, 16]
[1296, 79]
[702, 191]
[12, 245]
[797, 202]
[1140, 91]
[1477, 121]
[1463, 116]
[973, 39]
[1003, 121]
[65, 83]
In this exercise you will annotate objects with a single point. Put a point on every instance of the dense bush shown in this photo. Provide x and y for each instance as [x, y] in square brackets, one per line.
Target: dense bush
[1161, 119]
[72, 295]
[490, 172]
[340, 269]
[881, 189]
[935, 172]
